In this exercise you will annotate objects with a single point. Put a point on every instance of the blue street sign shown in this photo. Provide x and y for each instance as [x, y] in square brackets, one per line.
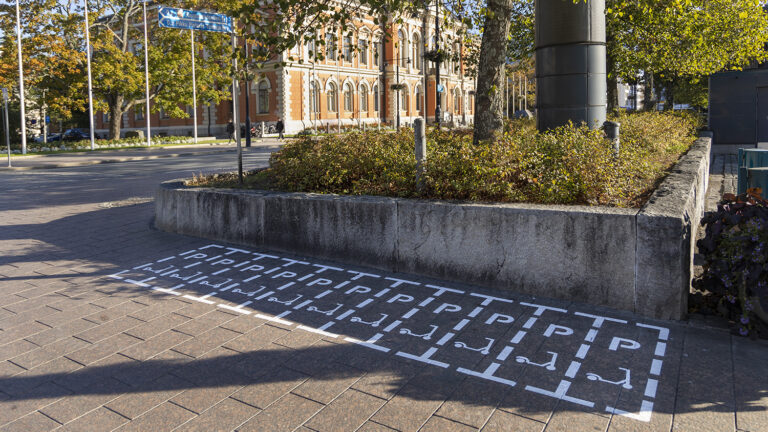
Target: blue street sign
[47, 119]
[440, 88]
[193, 20]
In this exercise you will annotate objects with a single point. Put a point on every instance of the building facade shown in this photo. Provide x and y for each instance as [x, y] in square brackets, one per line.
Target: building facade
[353, 86]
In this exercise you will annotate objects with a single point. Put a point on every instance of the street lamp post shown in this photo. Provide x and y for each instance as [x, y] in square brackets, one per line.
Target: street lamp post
[146, 74]
[22, 108]
[90, 83]
[437, 66]
[397, 73]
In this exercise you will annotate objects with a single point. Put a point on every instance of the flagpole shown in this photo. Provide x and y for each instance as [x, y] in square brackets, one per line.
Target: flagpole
[146, 73]
[21, 83]
[90, 83]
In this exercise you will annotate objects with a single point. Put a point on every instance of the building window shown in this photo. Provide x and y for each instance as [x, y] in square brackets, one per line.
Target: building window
[416, 45]
[363, 46]
[404, 99]
[332, 97]
[418, 97]
[263, 97]
[363, 98]
[347, 49]
[457, 60]
[138, 111]
[105, 118]
[314, 97]
[376, 97]
[164, 115]
[456, 101]
[403, 51]
[378, 52]
[330, 46]
[348, 97]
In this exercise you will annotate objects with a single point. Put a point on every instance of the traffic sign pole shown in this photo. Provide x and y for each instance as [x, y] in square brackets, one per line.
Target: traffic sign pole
[146, 74]
[194, 86]
[90, 84]
[235, 109]
[22, 108]
[7, 127]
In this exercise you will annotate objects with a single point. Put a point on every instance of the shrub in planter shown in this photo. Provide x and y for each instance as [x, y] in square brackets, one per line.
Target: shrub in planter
[736, 260]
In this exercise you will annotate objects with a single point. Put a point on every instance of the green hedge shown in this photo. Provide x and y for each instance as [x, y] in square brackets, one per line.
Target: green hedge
[570, 165]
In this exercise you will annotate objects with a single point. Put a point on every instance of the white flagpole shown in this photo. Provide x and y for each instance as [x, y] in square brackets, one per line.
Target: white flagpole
[90, 84]
[194, 85]
[21, 83]
[146, 72]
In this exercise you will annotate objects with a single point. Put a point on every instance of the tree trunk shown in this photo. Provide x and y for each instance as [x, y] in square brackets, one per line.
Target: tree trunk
[613, 93]
[489, 98]
[115, 116]
[649, 99]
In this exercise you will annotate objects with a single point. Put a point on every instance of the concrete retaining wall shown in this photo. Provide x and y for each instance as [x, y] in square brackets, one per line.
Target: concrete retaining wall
[636, 260]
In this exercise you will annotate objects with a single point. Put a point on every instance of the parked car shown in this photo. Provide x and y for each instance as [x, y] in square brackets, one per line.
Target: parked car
[75, 135]
[51, 138]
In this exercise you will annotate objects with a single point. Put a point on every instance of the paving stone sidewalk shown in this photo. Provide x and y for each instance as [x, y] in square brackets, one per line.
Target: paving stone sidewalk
[107, 324]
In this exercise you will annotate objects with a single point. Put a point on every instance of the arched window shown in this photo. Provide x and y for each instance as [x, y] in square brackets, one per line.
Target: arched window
[314, 97]
[378, 52]
[457, 54]
[416, 48]
[376, 97]
[348, 97]
[330, 45]
[332, 97]
[263, 97]
[363, 47]
[456, 100]
[418, 96]
[348, 49]
[403, 51]
[363, 98]
[404, 99]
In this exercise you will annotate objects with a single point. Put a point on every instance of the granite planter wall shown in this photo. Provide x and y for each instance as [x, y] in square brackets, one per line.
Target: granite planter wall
[638, 260]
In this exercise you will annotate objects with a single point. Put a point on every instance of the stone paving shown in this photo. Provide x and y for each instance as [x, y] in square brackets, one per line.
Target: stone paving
[107, 324]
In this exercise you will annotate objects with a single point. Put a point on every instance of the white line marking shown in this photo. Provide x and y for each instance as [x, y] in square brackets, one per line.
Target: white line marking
[198, 299]
[656, 367]
[424, 358]
[187, 252]
[273, 319]
[115, 276]
[213, 258]
[341, 285]
[211, 246]
[381, 293]
[541, 308]
[135, 282]
[661, 349]
[166, 259]
[591, 334]
[528, 324]
[367, 344]
[599, 319]
[518, 337]
[193, 264]
[303, 278]
[252, 278]
[327, 325]
[489, 299]
[663, 331]
[560, 393]
[399, 282]
[488, 374]
[235, 309]
[573, 369]
[198, 279]
[141, 266]
[220, 271]
[505, 353]
[445, 338]
[166, 290]
[461, 324]
[265, 295]
[323, 294]
[410, 313]
[280, 288]
[302, 304]
[283, 314]
[427, 301]
[646, 409]
[650, 388]
[272, 271]
[441, 290]
[241, 264]
[345, 314]
[476, 311]
[311, 330]
[583, 349]
[364, 303]
[392, 326]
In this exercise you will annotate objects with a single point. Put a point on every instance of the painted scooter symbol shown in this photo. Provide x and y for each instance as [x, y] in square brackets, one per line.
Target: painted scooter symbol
[624, 383]
[328, 312]
[287, 302]
[371, 323]
[482, 350]
[425, 336]
[550, 365]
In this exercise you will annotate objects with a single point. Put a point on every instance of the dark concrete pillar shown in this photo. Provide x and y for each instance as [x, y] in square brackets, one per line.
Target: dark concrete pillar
[570, 63]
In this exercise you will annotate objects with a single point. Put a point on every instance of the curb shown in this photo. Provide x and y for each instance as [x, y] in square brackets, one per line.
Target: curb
[114, 160]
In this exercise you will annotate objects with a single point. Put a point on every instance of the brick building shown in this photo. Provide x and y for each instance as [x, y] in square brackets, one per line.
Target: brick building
[350, 88]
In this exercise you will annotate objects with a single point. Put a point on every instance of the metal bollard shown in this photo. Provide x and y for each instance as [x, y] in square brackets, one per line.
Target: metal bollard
[420, 149]
[612, 133]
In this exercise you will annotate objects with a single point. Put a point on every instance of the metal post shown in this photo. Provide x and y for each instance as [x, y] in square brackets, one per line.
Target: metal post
[338, 91]
[7, 127]
[520, 89]
[525, 94]
[235, 96]
[397, 81]
[438, 100]
[45, 124]
[194, 86]
[420, 149]
[146, 74]
[247, 99]
[90, 82]
[424, 48]
[22, 108]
